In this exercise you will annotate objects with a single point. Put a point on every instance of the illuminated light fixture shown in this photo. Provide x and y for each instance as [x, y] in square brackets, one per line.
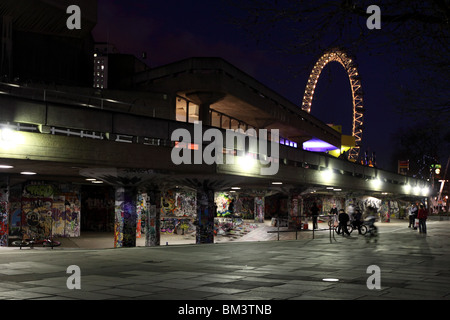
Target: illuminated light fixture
[10, 138]
[327, 175]
[317, 145]
[91, 179]
[5, 166]
[330, 188]
[28, 173]
[407, 188]
[97, 182]
[330, 280]
[235, 188]
[416, 190]
[246, 162]
[277, 183]
[337, 190]
[425, 191]
[376, 183]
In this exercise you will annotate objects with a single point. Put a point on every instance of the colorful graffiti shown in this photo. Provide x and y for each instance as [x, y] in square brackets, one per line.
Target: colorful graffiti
[4, 230]
[178, 203]
[245, 207]
[205, 214]
[259, 209]
[223, 201]
[125, 218]
[59, 217]
[36, 217]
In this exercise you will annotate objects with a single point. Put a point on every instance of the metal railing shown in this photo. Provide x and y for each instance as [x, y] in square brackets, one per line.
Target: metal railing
[295, 224]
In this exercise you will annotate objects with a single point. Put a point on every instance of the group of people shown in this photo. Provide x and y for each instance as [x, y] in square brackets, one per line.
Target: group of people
[418, 212]
[342, 217]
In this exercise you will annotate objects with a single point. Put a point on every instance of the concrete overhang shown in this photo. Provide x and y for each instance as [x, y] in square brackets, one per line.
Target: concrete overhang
[244, 98]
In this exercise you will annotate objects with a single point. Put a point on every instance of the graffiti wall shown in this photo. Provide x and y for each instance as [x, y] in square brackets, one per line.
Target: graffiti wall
[259, 209]
[15, 210]
[245, 207]
[223, 201]
[4, 229]
[41, 209]
[178, 203]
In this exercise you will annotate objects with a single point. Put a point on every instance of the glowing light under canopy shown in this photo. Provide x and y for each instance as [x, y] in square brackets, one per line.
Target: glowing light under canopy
[318, 145]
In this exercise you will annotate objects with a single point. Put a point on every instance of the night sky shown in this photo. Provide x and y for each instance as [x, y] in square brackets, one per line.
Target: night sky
[172, 30]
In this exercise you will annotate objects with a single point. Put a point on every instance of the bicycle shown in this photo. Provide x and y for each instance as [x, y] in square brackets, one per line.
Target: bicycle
[31, 242]
[353, 226]
[372, 232]
[46, 242]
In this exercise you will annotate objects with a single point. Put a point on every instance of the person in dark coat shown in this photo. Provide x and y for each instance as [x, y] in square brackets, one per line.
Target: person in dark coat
[315, 214]
[343, 220]
[422, 215]
[357, 220]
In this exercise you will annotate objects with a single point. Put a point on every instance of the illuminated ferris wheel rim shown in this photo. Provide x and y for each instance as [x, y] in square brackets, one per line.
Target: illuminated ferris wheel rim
[340, 56]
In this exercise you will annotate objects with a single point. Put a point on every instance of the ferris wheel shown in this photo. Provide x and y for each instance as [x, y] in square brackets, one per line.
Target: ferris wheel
[339, 55]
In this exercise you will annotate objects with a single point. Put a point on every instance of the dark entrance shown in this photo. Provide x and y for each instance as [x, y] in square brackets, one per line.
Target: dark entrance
[97, 208]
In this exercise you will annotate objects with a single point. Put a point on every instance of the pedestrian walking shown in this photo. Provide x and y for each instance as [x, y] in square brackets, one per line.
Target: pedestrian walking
[411, 216]
[315, 214]
[422, 215]
[343, 220]
[415, 211]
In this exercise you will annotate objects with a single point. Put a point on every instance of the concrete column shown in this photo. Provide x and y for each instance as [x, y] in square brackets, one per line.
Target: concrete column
[204, 100]
[205, 216]
[153, 223]
[259, 209]
[125, 217]
[4, 216]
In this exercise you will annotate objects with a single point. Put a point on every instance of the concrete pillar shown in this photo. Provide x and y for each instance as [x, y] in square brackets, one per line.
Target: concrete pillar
[205, 216]
[153, 221]
[259, 209]
[4, 216]
[125, 217]
[204, 100]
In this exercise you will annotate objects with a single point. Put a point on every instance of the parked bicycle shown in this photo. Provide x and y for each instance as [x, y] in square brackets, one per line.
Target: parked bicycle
[45, 242]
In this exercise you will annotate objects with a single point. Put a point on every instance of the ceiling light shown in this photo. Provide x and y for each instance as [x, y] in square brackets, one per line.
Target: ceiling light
[5, 166]
[278, 183]
[330, 280]
[28, 173]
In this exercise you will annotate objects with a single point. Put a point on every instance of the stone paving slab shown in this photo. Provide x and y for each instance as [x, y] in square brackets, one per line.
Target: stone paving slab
[413, 266]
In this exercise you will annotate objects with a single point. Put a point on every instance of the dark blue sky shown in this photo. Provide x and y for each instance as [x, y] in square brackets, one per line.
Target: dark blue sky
[172, 30]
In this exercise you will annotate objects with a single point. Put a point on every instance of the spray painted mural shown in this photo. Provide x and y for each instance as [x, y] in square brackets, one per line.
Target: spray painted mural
[47, 209]
[223, 201]
[178, 203]
[4, 229]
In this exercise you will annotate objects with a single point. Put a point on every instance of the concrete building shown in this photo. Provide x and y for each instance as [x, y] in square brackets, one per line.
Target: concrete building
[74, 155]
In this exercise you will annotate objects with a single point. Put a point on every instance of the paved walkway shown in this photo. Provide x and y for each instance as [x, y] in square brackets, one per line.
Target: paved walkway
[412, 266]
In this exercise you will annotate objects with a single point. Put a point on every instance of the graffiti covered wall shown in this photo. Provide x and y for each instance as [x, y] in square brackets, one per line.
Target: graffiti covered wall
[4, 209]
[46, 209]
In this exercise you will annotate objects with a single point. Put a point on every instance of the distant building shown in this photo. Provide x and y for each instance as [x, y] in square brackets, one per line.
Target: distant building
[111, 67]
[37, 47]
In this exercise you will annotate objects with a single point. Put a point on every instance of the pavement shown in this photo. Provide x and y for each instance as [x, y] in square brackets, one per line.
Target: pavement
[408, 266]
